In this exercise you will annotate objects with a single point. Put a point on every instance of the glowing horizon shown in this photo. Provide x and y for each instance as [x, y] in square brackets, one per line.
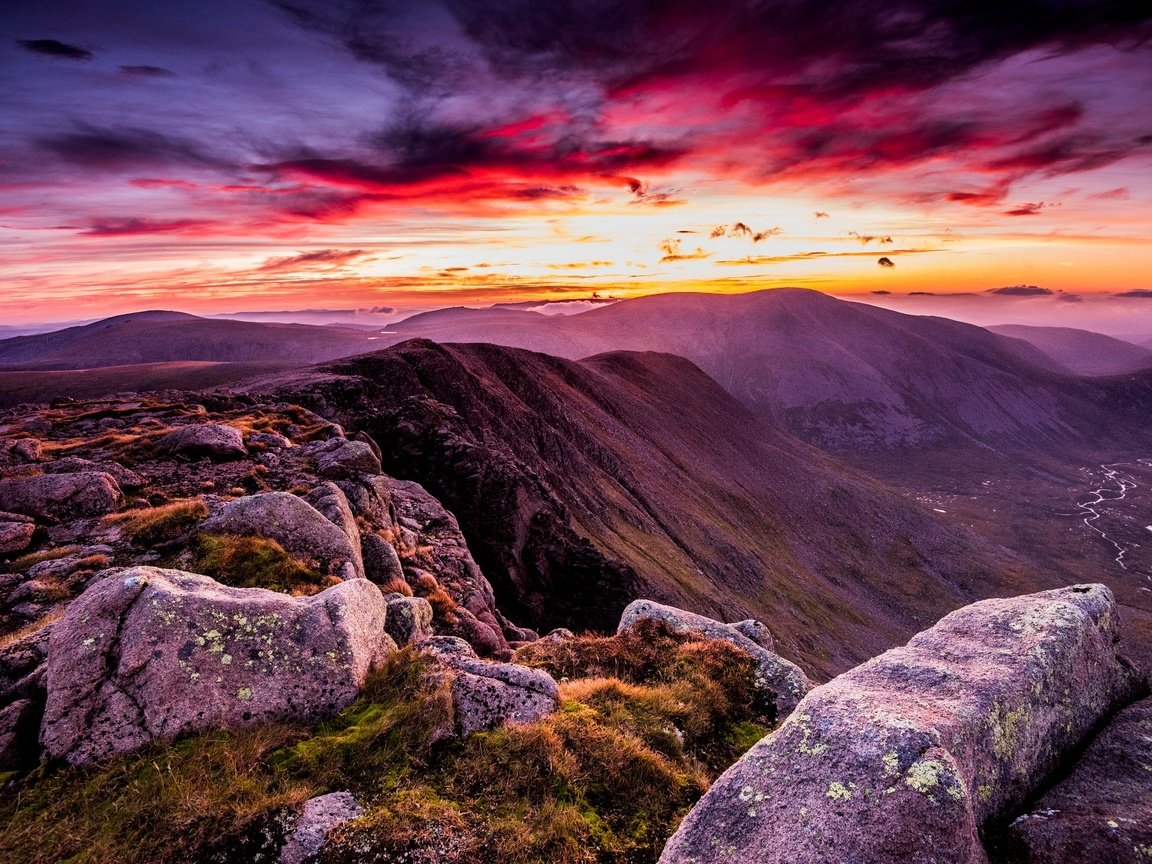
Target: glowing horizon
[214, 158]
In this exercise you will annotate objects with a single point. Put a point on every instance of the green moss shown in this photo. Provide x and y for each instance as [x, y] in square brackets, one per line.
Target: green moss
[253, 562]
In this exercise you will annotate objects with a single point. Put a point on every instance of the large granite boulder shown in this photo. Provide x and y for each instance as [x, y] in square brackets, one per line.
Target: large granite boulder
[1103, 811]
[214, 440]
[381, 561]
[782, 682]
[296, 525]
[146, 654]
[16, 532]
[331, 503]
[907, 757]
[487, 694]
[60, 497]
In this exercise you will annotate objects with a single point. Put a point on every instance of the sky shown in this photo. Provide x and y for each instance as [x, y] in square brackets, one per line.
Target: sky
[230, 155]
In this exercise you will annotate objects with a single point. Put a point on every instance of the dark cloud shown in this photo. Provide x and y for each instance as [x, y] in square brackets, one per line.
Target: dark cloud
[820, 214]
[147, 72]
[1142, 293]
[886, 262]
[882, 293]
[319, 258]
[54, 48]
[116, 149]
[1021, 291]
[1030, 209]
[121, 227]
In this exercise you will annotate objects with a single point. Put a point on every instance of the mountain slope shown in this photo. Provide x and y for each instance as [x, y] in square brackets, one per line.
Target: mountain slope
[581, 486]
[1081, 351]
[845, 376]
[164, 337]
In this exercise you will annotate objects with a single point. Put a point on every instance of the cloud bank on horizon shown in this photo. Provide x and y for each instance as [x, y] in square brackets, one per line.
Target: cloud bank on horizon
[209, 154]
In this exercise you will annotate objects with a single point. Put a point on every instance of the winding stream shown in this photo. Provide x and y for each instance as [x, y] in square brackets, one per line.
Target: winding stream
[1116, 487]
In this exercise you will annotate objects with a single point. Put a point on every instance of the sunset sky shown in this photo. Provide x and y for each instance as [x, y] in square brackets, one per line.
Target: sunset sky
[226, 155]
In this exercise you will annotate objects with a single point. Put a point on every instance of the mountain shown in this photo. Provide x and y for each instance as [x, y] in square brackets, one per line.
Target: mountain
[163, 337]
[1081, 351]
[845, 376]
[44, 386]
[583, 485]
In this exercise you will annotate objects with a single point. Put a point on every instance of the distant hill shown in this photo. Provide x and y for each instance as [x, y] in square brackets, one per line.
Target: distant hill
[165, 337]
[44, 386]
[582, 485]
[846, 376]
[1082, 351]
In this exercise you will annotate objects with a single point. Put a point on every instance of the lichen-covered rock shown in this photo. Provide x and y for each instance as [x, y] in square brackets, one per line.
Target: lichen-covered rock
[295, 524]
[60, 497]
[1103, 811]
[317, 818]
[908, 756]
[409, 618]
[339, 459]
[782, 682]
[16, 532]
[486, 694]
[214, 440]
[147, 654]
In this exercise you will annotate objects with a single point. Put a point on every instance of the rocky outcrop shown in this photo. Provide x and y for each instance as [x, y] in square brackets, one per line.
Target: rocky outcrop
[907, 757]
[341, 459]
[409, 618]
[146, 654]
[486, 694]
[1103, 811]
[315, 822]
[59, 497]
[213, 440]
[782, 682]
[16, 532]
[125, 477]
[381, 561]
[296, 525]
[331, 503]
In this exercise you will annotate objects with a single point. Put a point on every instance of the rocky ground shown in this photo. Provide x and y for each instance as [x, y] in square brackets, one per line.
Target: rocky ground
[226, 635]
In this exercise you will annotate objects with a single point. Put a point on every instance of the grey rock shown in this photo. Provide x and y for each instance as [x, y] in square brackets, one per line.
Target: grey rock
[755, 631]
[409, 618]
[295, 524]
[125, 477]
[782, 682]
[214, 440]
[23, 449]
[381, 562]
[269, 441]
[908, 757]
[16, 532]
[486, 694]
[60, 497]
[340, 459]
[1102, 812]
[146, 654]
[318, 817]
[331, 503]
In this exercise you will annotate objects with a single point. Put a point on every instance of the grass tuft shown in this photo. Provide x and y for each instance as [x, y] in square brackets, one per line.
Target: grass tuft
[254, 562]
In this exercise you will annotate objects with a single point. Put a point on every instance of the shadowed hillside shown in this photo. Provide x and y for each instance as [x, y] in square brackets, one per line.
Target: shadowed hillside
[583, 485]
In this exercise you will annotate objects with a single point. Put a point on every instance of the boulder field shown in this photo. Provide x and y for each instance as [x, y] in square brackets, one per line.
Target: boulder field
[913, 755]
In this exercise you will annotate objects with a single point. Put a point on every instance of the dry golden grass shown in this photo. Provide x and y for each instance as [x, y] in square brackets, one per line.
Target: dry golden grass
[163, 524]
[28, 629]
